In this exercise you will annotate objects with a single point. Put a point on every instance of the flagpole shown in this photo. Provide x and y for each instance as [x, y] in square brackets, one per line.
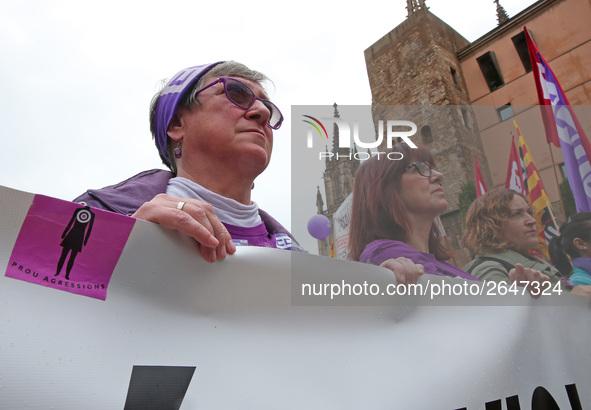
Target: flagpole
[553, 217]
[557, 185]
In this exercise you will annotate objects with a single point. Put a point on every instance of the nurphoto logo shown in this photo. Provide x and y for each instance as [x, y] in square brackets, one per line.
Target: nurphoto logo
[391, 130]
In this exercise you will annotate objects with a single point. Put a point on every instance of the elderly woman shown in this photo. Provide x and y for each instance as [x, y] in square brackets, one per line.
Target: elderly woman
[213, 127]
[395, 205]
[501, 230]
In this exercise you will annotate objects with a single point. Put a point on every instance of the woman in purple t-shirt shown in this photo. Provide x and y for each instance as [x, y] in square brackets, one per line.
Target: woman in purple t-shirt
[395, 207]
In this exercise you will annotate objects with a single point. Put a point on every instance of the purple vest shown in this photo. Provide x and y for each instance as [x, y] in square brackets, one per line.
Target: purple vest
[126, 197]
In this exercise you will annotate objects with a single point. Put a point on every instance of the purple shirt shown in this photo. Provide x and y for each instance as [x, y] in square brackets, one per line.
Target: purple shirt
[583, 263]
[383, 249]
[127, 196]
[258, 236]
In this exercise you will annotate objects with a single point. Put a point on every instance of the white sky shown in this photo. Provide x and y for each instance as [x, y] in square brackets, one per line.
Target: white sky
[77, 77]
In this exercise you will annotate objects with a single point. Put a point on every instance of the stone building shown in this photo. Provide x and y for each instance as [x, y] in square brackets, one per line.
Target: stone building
[498, 75]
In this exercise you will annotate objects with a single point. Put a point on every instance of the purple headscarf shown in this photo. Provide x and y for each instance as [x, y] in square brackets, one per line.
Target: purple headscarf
[170, 96]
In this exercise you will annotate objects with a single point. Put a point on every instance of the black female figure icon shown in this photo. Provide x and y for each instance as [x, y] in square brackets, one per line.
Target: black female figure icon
[75, 236]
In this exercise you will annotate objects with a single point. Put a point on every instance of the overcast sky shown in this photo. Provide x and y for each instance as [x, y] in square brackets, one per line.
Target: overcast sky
[77, 77]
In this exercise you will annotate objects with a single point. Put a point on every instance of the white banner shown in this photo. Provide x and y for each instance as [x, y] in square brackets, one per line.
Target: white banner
[229, 335]
[341, 221]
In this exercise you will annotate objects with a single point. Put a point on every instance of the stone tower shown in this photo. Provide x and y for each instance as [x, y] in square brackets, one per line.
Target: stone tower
[416, 65]
[338, 182]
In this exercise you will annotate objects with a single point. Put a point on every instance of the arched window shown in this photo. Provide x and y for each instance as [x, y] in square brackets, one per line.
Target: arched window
[426, 134]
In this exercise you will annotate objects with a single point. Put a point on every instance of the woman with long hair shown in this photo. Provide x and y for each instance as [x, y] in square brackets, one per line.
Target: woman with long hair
[393, 221]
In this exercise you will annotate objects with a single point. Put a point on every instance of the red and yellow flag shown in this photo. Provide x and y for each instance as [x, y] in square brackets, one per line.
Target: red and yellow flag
[537, 197]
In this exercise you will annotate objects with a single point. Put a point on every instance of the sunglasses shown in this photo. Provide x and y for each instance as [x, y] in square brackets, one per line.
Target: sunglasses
[242, 96]
[423, 168]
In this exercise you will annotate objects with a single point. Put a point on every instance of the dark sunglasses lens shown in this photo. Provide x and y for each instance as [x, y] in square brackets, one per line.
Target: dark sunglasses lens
[239, 93]
[275, 118]
[244, 97]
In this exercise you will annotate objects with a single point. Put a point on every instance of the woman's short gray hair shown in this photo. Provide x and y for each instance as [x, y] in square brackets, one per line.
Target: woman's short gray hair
[225, 69]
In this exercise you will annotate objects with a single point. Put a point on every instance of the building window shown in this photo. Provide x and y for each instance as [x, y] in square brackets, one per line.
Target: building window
[426, 134]
[454, 76]
[521, 46]
[505, 112]
[490, 70]
[466, 118]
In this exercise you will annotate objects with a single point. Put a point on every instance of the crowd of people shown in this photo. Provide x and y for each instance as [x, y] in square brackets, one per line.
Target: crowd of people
[213, 128]
[394, 224]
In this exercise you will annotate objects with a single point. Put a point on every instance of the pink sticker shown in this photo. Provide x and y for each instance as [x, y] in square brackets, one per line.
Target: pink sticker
[68, 246]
